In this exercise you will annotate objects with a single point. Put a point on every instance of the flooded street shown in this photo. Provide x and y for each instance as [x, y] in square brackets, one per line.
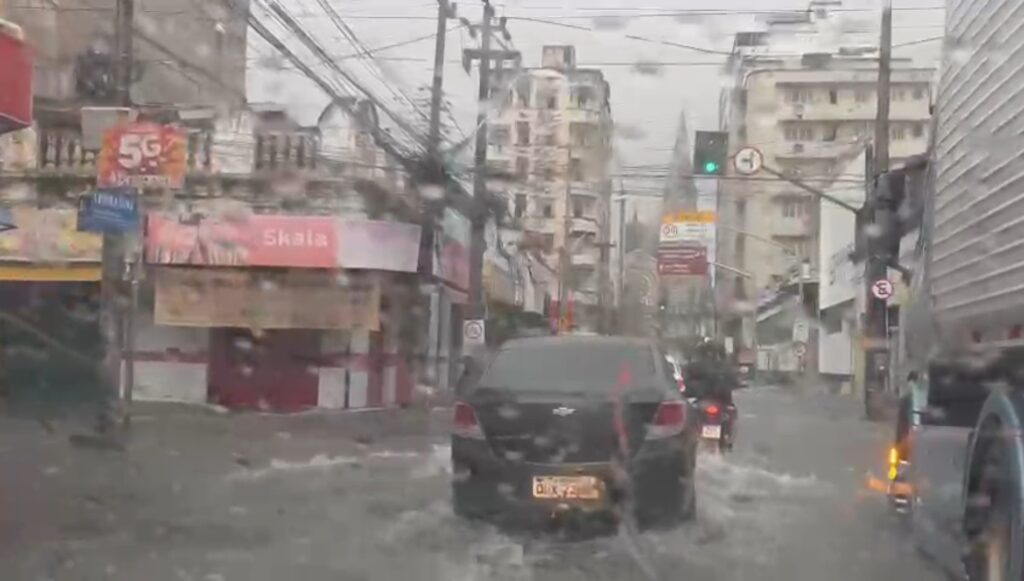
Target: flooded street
[311, 500]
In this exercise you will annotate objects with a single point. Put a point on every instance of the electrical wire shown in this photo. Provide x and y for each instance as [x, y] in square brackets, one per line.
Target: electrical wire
[363, 50]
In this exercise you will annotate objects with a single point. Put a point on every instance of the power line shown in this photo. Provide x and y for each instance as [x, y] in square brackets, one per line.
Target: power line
[311, 43]
[356, 43]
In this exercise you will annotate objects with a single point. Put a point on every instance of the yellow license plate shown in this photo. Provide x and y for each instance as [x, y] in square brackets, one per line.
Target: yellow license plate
[567, 487]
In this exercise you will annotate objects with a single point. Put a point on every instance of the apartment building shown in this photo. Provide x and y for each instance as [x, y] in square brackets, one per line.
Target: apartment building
[810, 108]
[550, 134]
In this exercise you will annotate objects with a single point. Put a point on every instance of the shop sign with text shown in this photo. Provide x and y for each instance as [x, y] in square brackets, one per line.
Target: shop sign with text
[203, 297]
[142, 155]
[48, 235]
[683, 260]
[225, 239]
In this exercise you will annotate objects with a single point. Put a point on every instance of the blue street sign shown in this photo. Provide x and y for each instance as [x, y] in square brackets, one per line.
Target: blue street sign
[7, 220]
[109, 211]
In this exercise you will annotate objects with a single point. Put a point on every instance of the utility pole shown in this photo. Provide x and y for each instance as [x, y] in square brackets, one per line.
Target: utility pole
[564, 256]
[477, 242]
[481, 197]
[876, 347]
[621, 283]
[125, 51]
[113, 257]
[445, 10]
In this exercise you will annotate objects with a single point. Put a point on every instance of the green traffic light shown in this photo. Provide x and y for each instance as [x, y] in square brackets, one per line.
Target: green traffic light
[711, 167]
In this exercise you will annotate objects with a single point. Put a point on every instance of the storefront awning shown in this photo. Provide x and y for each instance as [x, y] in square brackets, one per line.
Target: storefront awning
[39, 273]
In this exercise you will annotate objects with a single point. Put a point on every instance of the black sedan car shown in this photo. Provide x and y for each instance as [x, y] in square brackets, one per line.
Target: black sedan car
[564, 427]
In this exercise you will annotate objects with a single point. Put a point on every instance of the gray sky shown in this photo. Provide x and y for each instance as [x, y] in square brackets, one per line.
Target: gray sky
[646, 107]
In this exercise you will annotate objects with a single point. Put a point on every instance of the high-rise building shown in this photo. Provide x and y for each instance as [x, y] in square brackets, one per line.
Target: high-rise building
[804, 94]
[550, 133]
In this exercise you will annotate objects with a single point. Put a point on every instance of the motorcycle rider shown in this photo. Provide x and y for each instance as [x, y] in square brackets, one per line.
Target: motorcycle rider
[710, 376]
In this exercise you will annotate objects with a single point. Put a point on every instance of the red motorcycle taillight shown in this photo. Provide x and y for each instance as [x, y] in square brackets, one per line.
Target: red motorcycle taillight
[712, 410]
[465, 423]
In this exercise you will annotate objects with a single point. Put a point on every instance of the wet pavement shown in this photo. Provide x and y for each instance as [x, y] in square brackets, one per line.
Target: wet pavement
[203, 496]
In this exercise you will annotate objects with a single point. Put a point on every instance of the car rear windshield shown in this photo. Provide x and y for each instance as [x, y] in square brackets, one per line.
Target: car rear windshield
[576, 368]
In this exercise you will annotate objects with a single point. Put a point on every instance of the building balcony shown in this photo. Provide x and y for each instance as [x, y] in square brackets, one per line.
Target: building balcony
[585, 226]
[587, 258]
[814, 150]
[539, 224]
[791, 227]
[909, 110]
[61, 152]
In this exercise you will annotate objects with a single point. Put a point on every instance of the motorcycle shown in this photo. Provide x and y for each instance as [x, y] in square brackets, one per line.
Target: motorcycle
[717, 425]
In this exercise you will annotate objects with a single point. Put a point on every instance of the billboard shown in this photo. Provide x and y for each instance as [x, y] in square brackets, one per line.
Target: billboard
[227, 297]
[48, 235]
[240, 239]
[142, 155]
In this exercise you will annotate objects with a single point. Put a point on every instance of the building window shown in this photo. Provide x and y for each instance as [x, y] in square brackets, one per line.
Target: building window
[862, 95]
[546, 209]
[899, 94]
[833, 96]
[522, 167]
[582, 96]
[552, 102]
[799, 248]
[797, 133]
[523, 133]
[830, 131]
[800, 96]
[918, 130]
[920, 93]
[577, 207]
[898, 133]
[576, 169]
[524, 85]
[794, 208]
[498, 136]
[583, 134]
[520, 205]
[548, 242]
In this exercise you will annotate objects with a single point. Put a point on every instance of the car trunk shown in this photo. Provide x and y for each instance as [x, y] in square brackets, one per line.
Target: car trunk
[558, 429]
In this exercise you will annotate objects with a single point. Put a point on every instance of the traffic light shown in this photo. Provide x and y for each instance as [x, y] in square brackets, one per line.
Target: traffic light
[710, 152]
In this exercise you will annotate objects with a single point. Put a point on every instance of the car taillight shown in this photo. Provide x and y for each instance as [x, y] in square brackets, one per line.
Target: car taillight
[712, 410]
[465, 422]
[669, 420]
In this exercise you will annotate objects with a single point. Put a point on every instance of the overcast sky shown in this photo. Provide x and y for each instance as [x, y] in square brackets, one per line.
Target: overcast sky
[646, 105]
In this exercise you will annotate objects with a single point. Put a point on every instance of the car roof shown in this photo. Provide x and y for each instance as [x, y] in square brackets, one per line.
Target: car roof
[560, 340]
